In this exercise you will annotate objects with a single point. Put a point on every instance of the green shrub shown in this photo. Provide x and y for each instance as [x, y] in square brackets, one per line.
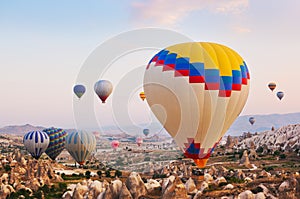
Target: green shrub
[270, 168]
[282, 156]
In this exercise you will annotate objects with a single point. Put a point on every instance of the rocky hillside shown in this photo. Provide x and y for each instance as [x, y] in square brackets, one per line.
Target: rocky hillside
[285, 138]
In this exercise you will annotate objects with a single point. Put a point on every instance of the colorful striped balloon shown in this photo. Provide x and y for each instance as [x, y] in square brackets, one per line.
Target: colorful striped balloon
[36, 143]
[196, 90]
[80, 144]
[57, 141]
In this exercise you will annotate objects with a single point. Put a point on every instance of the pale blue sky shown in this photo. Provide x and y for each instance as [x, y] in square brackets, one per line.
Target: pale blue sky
[44, 43]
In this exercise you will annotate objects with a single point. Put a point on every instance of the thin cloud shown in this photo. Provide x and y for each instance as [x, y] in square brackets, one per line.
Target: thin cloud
[170, 12]
[242, 29]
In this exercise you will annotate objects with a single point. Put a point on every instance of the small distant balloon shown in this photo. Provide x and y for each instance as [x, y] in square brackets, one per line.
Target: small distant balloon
[36, 143]
[146, 132]
[103, 89]
[142, 95]
[280, 95]
[115, 144]
[139, 141]
[272, 86]
[79, 90]
[252, 120]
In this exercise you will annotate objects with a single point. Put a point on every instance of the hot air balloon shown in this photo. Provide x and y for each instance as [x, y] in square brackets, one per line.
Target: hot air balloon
[36, 143]
[272, 86]
[146, 132]
[79, 90]
[80, 144]
[115, 144]
[57, 141]
[142, 95]
[139, 141]
[196, 90]
[252, 120]
[280, 94]
[103, 89]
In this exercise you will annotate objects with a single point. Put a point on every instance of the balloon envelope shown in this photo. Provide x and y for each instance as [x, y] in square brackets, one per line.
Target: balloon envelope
[57, 141]
[103, 89]
[272, 86]
[115, 144]
[139, 141]
[280, 95]
[79, 90]
[142, 95]
[80, 144]
[146, 132]
[196, 90]
[36, 143]
[252, 120]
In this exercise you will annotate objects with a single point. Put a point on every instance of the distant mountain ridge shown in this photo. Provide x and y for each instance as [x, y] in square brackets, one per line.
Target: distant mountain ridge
[20, 129]
[23, 129]
[241, 125]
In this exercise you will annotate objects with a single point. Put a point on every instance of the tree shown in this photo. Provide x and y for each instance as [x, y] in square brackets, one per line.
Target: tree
[62, 186]
[88, 174]
[282, 156]
[260, 149]
[99, 173]
[107, 173]
[276, 153]
[118, 173]
[147, 159]
[7, 168]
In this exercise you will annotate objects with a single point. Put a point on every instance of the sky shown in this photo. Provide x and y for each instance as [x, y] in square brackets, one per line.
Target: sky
[43, 45]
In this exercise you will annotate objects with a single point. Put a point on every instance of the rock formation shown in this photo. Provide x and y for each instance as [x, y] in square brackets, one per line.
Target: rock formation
[245, 159]
[136, 185]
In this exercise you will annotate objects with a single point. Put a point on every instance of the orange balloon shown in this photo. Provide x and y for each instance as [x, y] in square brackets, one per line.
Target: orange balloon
[142, 95]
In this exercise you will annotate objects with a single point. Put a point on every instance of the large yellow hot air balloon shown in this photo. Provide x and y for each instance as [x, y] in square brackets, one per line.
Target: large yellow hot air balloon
[196, 90]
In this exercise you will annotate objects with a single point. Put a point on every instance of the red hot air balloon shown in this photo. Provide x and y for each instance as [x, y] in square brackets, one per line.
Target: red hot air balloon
[115, 144]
